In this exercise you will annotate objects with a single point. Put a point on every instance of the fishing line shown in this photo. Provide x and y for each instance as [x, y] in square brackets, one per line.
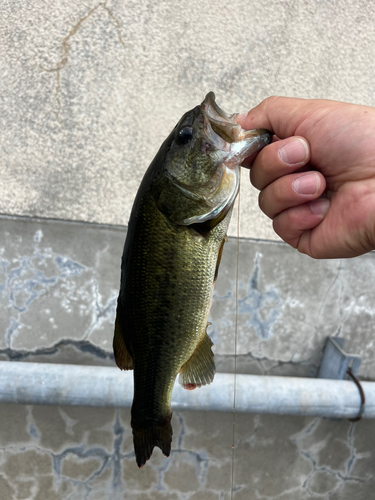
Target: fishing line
[235, 335]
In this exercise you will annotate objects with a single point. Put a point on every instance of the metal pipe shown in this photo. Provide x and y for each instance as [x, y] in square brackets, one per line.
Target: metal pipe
[57, 384]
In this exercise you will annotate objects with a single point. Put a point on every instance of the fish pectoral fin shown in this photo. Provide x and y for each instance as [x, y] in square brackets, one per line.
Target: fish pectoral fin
[122, 357]
[200, 367]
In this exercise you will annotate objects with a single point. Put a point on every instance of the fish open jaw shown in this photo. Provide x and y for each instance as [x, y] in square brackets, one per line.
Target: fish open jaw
[220, 122]
[225, 134]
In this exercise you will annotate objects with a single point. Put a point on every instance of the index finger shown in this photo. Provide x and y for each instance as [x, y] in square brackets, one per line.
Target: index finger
[284, 116]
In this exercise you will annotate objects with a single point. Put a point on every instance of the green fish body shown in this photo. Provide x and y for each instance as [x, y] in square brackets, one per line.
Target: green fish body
[172, 252]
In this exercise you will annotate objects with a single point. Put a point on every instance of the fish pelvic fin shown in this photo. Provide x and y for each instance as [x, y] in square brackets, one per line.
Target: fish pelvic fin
[122, 357]
[146, 438]
[200, 368]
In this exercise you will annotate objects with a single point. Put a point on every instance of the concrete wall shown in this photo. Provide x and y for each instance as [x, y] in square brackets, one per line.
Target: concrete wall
[59, 283]
[88, 91]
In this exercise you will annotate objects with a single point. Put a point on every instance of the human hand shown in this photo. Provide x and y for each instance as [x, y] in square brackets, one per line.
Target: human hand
[322, 148]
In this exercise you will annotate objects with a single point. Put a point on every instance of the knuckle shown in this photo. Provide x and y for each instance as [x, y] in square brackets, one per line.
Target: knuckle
[264, 168]
[269, 101]
[265, 207]
[283, 227]
[281, 231]
[279, 191]
[255, 179]
[261, 201]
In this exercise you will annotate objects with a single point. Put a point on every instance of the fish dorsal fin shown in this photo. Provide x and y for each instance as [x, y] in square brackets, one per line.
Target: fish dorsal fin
[200, 367]
[122, 357]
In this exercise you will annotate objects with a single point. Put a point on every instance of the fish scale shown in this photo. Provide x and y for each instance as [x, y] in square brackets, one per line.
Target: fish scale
[163, 303]
[172, 251]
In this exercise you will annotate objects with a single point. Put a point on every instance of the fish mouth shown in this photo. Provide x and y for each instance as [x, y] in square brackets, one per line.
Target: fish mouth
[223, 133]
[224, 145]
[228, 144]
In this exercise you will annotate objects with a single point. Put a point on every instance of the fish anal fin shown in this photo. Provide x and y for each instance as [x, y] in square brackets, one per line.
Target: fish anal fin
[146, 438]
[219, 257]
[122, 357]
[200, 368]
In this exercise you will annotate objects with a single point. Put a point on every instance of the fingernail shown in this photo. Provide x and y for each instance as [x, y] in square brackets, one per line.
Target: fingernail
[294, 151]
[307, 183]
[239, 117]
[320, 206]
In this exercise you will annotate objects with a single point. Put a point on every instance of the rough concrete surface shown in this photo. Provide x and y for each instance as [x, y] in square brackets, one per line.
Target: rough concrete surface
[89, 90]
[58, 288]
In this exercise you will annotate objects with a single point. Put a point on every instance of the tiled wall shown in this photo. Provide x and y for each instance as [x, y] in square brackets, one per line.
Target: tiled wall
[58, 285]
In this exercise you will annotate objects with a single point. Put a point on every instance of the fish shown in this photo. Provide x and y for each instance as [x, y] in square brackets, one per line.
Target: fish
[175, 238]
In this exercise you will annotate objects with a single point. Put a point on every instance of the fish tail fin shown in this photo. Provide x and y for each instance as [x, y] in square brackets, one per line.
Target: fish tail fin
[146, 438]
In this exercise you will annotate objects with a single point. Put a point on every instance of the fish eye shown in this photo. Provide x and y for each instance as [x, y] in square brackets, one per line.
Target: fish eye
[184, 135]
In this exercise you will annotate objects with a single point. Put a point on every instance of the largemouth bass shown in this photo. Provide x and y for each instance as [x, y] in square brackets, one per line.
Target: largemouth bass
[172, 252]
